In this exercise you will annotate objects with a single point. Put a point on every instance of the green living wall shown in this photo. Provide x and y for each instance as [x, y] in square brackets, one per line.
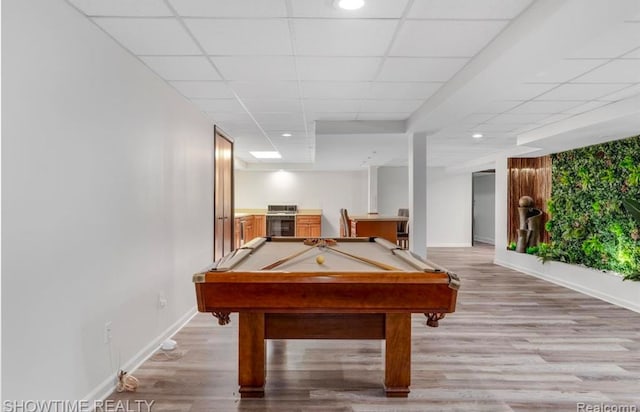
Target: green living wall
[589, 224]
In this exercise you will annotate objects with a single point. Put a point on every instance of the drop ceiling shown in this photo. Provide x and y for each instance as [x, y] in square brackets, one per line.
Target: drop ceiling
[451, 68]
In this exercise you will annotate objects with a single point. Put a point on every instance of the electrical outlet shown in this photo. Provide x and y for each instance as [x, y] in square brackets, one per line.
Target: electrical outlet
[107, 332]
[162, 300]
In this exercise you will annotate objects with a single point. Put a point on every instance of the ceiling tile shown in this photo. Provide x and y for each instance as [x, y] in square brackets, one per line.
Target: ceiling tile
[383, 116]
[242, 36]
[586, 107]
[462, 39]
[332, 116]
[238, 121]
[256, 67]
[403, 90]
[331, 105]
[325, 8]
[203, 90]
[623, 94]
[618, 71]
[499, 106]
[474, 119]
[226, 8]
[235, 128]
[554, 118]
[466, 9]
[516, 118]
[154, 8]
[497, 128]
[622, 39]
[297, 136]
[343, 37]
[273, 105]
[390, 106]
[565, 70]
[293, 120]
[403, 69]
[548, 107]
[526, 91]
[336, 90]
[338, 68]
[581, 91]
[149, 36]
[266, 90]
[181, 67]
[218, 105]
[635, 54]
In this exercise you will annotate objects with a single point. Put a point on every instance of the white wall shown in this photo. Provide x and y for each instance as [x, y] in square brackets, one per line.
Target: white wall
[393, 189]
[107, 201]
[449, 209]
[329, 191]
[484, 210]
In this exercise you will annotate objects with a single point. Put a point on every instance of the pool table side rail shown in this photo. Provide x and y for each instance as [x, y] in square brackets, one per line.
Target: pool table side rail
[325, 297]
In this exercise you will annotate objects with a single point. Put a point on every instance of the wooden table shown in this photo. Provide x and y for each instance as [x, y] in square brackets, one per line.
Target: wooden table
[374, 225]
[343, 298]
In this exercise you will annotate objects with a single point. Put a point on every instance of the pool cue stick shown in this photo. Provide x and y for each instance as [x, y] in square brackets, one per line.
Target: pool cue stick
[366, 260]
[288, 258]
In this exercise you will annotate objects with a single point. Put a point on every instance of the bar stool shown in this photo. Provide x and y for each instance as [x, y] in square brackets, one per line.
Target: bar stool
[346, 227]
[402, 234]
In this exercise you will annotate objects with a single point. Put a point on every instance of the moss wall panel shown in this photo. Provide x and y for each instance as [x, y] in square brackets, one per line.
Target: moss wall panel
[589, 224]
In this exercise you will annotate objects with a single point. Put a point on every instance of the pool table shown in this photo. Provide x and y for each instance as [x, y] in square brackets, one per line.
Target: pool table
[365, 288]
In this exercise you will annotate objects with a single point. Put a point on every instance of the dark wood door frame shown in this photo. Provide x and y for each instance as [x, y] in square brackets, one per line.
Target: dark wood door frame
[223, 194]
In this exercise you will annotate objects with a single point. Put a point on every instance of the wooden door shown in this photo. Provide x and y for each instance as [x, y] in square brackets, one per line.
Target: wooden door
[223, 195]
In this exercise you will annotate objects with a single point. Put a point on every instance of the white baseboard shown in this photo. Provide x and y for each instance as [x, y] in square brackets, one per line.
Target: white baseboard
[488, 240]
[109, 385]
[449, 245]
[602, 285]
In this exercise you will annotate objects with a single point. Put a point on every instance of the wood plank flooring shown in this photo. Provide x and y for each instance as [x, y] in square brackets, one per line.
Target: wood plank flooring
[516, 343]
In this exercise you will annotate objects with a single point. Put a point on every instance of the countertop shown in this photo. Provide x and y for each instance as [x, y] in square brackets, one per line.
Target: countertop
[250, 212]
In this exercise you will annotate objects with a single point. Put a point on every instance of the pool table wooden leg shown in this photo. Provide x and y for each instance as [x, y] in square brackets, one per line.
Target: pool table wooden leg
[251, 355]
[397, 370]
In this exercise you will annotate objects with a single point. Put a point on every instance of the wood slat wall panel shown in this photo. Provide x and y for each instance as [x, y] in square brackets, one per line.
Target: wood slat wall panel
[528, 176]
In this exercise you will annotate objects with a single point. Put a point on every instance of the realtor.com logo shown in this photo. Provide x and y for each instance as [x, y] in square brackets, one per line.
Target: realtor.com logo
[605, 407]
[78, 406]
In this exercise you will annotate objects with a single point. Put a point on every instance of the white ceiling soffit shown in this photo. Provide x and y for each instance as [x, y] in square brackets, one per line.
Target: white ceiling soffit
[610, 122]
[263, 68]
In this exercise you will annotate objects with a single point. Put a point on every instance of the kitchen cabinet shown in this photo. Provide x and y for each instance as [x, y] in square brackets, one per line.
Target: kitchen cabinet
[244, 230]
[308, 226]
[259, 226]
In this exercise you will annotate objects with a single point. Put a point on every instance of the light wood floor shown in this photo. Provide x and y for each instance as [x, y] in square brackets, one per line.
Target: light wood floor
[516, 343]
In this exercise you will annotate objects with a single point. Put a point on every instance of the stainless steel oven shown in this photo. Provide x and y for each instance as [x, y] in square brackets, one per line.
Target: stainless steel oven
[281, 220]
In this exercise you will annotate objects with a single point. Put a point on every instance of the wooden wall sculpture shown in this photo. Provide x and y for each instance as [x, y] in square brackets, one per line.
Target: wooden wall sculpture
[528, 176]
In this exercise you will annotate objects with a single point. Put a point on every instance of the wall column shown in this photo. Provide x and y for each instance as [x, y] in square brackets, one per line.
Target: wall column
[418, 194]
[501, 207]
[372, 189]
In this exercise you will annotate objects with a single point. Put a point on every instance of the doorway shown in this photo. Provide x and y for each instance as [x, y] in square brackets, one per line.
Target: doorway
[484, 207]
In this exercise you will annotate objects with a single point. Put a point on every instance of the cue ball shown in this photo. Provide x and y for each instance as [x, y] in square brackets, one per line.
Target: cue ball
[320, 259]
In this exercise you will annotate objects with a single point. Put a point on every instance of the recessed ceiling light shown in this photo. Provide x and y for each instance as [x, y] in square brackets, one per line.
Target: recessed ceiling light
[266, 155]
[349, 4]
[477, 135]
[286, 134]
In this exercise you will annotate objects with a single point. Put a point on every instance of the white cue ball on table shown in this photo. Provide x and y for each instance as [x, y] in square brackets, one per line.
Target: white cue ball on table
[320, 259]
